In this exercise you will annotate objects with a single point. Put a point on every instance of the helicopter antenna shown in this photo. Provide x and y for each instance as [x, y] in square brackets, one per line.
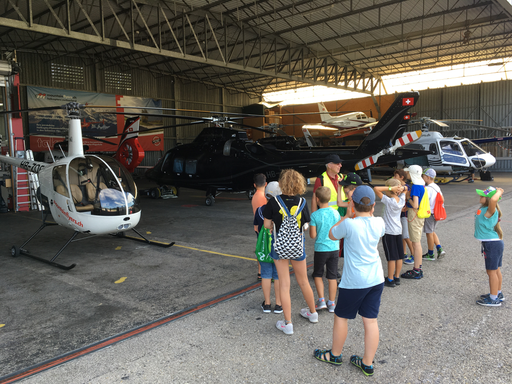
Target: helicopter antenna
[61, 150]
[49, 149]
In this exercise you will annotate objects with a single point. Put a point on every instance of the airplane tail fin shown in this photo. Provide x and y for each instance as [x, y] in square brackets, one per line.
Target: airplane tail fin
[390, 127]
[324, 115]
[130, 153]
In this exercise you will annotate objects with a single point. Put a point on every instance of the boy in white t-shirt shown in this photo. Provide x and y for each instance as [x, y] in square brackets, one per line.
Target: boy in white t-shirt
[430, 223]
[362, 282]
[393, 198]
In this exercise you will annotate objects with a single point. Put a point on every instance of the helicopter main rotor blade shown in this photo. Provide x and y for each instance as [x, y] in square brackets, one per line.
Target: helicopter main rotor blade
[101, 140]
[32, 110]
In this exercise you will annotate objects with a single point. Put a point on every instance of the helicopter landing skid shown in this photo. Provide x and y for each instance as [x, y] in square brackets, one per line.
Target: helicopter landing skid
[143, 239]
[455, 179]
[16, 251]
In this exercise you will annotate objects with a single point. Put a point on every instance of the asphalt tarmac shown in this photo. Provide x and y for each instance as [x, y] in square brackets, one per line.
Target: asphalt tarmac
[431, 330]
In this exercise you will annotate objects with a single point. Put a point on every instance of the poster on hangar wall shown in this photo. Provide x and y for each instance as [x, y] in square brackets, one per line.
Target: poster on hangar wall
[49, 127]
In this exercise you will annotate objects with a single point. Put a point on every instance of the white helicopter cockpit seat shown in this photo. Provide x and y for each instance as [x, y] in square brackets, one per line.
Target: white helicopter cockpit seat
[78, 199]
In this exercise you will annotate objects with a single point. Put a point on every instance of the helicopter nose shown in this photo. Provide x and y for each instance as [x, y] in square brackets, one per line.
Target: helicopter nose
[478, 162]
[490, 160]
[486, 161]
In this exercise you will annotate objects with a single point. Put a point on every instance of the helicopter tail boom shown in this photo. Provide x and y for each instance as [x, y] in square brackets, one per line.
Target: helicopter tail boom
[29, 165]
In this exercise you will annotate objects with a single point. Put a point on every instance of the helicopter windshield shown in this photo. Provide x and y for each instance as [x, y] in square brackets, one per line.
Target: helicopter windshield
[471, 148]
[101, 186]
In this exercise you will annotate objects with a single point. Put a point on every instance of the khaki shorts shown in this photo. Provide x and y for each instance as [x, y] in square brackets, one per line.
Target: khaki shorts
[415, 226]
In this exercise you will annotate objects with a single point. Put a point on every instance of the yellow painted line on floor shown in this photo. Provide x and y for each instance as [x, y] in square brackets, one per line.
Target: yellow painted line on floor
[2, 325]
[216, 253]
[122, 279]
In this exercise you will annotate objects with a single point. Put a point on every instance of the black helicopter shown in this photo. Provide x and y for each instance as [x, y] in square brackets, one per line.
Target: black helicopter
[224, 159]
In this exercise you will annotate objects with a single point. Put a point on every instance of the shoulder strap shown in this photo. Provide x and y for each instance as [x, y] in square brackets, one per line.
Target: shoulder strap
[300, 206]
[282, 205]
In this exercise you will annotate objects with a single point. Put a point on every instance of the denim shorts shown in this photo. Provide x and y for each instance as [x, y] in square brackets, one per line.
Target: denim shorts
[268, 271]
[493, 254]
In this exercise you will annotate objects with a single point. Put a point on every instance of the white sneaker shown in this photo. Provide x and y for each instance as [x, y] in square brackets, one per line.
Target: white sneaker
[320, 304]
[313, 317]
[286, 328]
[331, 307]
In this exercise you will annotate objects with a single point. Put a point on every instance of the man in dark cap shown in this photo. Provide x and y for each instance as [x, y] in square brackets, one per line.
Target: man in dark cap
[329, 179]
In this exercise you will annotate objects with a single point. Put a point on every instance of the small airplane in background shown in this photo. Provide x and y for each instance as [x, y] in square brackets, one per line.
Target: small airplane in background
[347, 124]
[344, 121]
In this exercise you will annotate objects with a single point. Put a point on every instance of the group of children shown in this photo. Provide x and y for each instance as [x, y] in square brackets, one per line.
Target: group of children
[362, 281]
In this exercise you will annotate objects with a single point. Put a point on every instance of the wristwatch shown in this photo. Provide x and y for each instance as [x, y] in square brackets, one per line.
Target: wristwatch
[389, 188]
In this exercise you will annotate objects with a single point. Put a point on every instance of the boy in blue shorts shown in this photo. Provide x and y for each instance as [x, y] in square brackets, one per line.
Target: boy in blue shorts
[268, 270]
[362, 281]
[326, 250]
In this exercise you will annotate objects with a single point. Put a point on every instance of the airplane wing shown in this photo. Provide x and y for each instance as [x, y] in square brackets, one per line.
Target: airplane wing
[356, 131]
[29, 165]
[491, 139]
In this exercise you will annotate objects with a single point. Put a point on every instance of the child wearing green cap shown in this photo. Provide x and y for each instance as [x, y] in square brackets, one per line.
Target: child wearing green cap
[488, 231]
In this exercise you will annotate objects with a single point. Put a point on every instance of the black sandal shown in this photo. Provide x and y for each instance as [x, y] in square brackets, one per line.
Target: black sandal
[320, 355]
[259, 276]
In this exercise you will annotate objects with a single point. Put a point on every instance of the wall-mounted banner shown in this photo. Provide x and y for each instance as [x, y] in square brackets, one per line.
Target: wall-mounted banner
[49, 127]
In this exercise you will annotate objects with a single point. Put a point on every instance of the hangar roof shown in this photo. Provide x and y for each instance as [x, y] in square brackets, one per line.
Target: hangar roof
[265, 45]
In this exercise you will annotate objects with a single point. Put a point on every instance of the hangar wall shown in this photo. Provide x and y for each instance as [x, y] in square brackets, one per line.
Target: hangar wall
[93, 75]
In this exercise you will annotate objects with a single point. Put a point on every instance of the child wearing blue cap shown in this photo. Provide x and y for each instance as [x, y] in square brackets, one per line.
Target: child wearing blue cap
[362, 282]
[488, 231]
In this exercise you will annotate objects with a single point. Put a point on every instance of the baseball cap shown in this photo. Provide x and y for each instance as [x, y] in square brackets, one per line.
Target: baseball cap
[430, 172]
[363, 191]
[332, 158]
[350, 179]
[489, 192]
[415, 172]
[272, 189]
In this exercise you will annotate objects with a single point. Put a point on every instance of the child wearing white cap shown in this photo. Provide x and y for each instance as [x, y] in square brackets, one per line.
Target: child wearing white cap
[430, 223]
[413, 199]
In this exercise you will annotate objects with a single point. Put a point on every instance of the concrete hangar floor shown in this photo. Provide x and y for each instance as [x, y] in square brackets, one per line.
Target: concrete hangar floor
[431, 330]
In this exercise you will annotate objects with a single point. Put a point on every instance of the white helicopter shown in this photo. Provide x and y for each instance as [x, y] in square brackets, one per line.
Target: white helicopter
[449, 155]
[89, 194]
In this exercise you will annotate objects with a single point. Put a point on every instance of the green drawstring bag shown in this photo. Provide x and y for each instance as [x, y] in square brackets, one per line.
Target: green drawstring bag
[264, 246]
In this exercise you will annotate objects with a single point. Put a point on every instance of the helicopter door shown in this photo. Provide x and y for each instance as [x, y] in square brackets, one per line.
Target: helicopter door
[452, 153]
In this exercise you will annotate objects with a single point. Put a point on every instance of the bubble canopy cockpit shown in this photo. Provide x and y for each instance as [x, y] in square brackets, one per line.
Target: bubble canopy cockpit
[98, 185]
